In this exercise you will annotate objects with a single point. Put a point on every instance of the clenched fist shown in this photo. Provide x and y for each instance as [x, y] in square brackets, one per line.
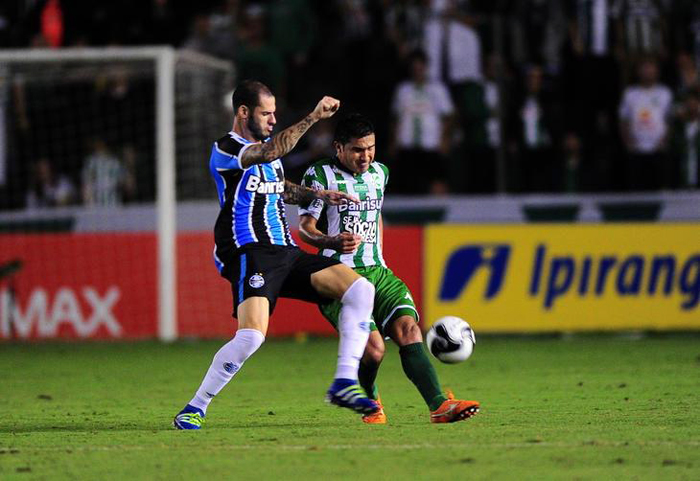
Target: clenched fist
[326, 108]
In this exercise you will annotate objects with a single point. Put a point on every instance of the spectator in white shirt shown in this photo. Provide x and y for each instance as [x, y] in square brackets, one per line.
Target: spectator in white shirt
[452, 44]
[644, 118]
[422, 110]
[453, 47]
[103, 177]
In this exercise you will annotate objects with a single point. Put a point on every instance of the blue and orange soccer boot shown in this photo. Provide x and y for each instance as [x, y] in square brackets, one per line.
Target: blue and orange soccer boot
[347, 393]
[376, 418]
[189, 418]
[453, 410]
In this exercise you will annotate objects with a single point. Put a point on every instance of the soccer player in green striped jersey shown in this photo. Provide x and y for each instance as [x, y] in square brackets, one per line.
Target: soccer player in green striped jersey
[353, 234]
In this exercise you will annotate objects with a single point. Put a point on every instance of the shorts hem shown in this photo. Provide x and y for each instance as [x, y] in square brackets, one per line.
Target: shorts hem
[388, 318]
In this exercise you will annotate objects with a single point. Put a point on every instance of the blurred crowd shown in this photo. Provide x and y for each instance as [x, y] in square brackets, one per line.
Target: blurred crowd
[467, 96]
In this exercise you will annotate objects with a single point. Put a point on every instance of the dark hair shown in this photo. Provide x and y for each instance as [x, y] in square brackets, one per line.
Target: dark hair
[352, 126]
[248, 93]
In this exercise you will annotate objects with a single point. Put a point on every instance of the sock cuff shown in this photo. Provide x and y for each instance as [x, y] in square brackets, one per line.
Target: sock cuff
[411, 348]
[252, 335]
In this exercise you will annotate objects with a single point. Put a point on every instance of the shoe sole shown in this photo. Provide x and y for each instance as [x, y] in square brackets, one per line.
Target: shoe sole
[460, 416]
[467, 413]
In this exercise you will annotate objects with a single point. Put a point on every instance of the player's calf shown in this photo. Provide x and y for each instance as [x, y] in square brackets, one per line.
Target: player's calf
[369, 365]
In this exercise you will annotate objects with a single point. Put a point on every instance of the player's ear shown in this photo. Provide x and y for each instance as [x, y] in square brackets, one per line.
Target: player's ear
[243, 112]
[338, 147]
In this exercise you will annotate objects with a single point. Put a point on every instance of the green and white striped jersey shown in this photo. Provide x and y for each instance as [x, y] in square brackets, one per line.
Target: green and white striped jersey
[361, 219]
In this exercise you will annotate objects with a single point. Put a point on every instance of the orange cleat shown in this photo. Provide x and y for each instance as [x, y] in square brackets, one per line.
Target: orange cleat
[454, 410]
[375, 418]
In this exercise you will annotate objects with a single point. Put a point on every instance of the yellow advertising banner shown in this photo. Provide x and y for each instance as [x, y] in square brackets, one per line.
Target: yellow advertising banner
[545, 277]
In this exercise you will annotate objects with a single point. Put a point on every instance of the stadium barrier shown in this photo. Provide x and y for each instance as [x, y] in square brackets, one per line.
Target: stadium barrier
[67, 288]
[519, 278]
[542, 278]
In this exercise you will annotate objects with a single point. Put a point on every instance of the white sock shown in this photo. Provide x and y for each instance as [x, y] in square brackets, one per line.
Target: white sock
[227, 362]
[353, 327]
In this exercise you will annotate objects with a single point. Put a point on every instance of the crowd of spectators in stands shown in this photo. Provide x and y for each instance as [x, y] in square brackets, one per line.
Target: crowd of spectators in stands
[468, 96]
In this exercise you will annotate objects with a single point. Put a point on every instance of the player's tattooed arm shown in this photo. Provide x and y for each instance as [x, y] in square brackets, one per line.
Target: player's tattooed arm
[299, 195]
[277, 146]
[296, 194]
[345, 242]
[282, 143]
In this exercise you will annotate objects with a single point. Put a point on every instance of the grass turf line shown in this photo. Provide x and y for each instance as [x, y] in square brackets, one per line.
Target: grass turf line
[552, 409]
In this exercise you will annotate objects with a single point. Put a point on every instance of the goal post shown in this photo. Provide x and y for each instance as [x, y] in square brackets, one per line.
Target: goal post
[165, 191]
[188, 86]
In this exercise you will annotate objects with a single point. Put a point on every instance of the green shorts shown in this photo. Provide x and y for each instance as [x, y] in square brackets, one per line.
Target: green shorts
[392, 299]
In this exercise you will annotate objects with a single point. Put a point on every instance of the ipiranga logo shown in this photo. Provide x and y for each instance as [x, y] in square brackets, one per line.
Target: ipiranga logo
[633, 275]
[590, 276]
[467, 261]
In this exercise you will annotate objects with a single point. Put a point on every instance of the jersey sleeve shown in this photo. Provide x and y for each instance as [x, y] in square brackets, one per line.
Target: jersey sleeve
[314, 181]
[226, 154]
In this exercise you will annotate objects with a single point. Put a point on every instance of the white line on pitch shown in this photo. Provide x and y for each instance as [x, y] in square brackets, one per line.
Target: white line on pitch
[343, 447]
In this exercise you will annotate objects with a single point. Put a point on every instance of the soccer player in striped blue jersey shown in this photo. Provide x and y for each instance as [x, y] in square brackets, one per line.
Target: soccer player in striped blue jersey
[255, 251]
[353, 234]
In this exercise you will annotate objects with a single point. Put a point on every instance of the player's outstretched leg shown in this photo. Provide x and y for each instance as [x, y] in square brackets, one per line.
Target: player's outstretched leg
[227, 362]
[353, 328]
[417, 367]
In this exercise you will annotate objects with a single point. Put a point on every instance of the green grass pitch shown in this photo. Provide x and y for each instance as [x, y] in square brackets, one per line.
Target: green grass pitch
[594, 407]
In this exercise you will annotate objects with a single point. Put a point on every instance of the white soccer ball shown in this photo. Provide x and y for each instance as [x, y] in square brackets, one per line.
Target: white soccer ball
[450, 340]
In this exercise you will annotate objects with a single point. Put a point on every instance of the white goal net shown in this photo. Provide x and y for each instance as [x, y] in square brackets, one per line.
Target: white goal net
[103, 158]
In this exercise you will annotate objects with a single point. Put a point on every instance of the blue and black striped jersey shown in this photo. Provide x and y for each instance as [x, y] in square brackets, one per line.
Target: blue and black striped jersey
[252, 208]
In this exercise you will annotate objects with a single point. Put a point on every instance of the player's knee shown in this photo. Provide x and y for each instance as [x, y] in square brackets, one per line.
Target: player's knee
[360, 293]
[405, 330]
